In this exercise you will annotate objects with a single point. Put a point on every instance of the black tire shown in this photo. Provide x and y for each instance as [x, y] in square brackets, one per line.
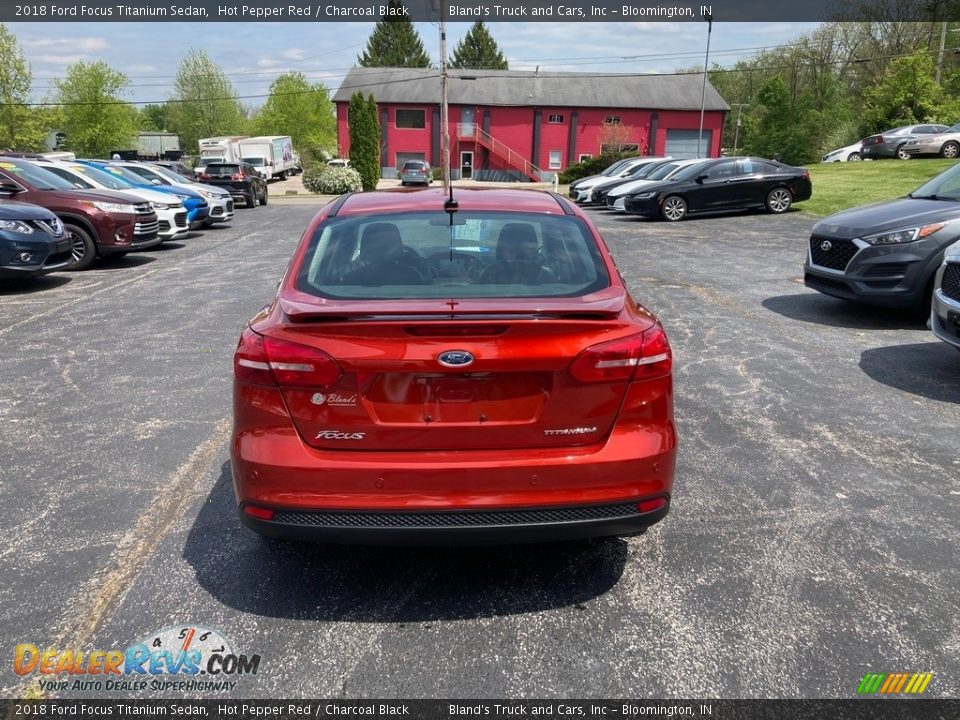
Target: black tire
[283, 176]
[263, 198]
[901, 154]
[674, 208]
[854, 157]
[950, 149]
[250, 199]
[779, 200]
[83, 248]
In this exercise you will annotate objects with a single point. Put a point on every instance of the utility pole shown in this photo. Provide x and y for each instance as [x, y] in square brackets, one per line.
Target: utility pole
[703, 90]
[444, 108]
[736, 134]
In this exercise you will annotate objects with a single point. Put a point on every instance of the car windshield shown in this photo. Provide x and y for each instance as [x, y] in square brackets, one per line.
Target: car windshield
[953, 128]
[220, 170]
[171, 175]
[612, 170]
[945, 186]
[36, 177]
[483, 255]
[122, 172]
[100, 177]
[662, 171]
[255, 161]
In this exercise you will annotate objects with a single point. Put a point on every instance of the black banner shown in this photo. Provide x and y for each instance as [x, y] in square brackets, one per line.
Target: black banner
[859, 709]
[617, 11]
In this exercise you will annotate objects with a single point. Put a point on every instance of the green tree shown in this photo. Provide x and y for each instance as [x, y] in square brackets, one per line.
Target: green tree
[906, 94]
[302, 111]
[394, 42]
[204, 103]
[364, 139]
[154, 117]
[19, 127]
[95, 118]
[478, 51]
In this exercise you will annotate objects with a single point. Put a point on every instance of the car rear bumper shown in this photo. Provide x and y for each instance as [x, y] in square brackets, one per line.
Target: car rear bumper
[527, 525]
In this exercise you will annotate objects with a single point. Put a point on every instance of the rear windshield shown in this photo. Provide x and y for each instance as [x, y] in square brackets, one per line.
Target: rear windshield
[222, 170]
[483, 255]
[414, 165]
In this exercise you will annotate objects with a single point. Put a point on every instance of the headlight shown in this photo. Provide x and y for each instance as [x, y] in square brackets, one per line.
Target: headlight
[17, 226]
[644, 195]
[898, 237]
[109, 207]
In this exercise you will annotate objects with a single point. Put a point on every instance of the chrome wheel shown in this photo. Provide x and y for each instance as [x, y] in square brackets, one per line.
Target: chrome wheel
[902, 154]
[778, 201]
[78, 248]
[674, 208]
[950, 150]
[854, 157]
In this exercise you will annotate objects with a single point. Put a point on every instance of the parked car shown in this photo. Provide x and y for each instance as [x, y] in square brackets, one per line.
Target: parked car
[98, 222]
[32, 241]
[608, 172]
[887, 253]
[220, 201]
[171, 213]
[850, 153]
[426, 379]
[891, 143]
[241, 180]
[198, 210]
[945, 315]
[723, 185]
[615, 199]
[583, 194]
[640, 171]
[417, 172]
[945, 144]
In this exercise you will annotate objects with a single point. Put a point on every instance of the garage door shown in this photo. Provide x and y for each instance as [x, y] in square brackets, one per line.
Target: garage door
[683, 143]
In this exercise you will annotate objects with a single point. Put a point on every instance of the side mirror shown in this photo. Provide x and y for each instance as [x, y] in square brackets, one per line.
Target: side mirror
[8, 187]
[154, 181]
[701, 178]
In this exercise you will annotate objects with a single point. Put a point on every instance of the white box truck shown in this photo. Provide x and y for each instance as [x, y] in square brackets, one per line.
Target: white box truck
[221, 149]
[271, 155]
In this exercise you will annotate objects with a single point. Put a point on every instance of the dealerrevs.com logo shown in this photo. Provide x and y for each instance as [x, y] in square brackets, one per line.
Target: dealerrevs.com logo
[180, 659]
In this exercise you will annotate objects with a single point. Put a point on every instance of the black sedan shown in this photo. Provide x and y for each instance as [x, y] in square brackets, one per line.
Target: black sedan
[32, 241]
[723, 185]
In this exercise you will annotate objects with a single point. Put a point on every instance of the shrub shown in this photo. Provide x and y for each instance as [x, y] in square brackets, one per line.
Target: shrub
[328, 180]
[591, 166]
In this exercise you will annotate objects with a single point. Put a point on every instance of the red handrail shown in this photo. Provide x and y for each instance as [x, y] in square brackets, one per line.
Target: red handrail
[474, 132]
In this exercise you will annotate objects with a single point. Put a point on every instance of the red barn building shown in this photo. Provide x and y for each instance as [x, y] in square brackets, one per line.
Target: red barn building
[522, 125]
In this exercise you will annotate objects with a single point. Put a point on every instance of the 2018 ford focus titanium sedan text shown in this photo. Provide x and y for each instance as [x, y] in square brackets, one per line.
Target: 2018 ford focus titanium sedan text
[471, 376]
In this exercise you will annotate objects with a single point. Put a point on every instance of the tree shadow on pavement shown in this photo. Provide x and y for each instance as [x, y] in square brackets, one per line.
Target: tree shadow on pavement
[382, 584]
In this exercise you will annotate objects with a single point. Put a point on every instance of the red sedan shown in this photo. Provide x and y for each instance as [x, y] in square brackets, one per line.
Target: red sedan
[467, 372]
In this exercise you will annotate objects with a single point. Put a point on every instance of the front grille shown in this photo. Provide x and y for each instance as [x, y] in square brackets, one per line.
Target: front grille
[143, 209]
[826, 283]
[146, 228]
[459, 519]
[950, 286]
[180, 219]
[836, 257]
[229, 205]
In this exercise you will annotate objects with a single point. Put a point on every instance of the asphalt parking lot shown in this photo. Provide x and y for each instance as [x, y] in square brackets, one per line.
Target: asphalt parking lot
[812, 537]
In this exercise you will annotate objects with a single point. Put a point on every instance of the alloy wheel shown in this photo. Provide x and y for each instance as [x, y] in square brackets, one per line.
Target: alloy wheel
[779, 200]
[674, 208]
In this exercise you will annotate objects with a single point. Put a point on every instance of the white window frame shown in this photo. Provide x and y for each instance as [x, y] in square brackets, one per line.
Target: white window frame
[555, 119]
[555, 164]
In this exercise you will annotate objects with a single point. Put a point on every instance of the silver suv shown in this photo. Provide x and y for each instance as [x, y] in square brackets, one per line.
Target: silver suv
[415, 171]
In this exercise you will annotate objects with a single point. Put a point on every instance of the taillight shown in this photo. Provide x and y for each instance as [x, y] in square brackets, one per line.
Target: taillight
[269, 361]
[259, 512]
[637, 357]
[646, 506]
[204, 176]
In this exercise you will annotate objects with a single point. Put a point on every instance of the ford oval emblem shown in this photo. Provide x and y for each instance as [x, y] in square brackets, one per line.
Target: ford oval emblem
[455, 358]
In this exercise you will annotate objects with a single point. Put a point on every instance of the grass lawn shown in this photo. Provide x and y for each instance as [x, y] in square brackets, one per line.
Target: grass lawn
[837, 186]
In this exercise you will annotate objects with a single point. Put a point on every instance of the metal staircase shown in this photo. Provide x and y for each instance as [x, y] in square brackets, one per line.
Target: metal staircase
[474, 133]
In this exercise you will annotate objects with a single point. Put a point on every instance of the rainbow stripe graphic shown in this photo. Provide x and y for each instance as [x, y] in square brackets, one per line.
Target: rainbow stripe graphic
[894, 683]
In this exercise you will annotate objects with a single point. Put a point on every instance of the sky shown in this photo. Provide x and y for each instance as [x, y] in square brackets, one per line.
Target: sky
[253, 54]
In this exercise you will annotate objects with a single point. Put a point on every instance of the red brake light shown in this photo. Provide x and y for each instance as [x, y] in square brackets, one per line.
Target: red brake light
[637, 357]
[646, 506]
[258, 512]
[269, 361]
[204, 176]
[236, 177]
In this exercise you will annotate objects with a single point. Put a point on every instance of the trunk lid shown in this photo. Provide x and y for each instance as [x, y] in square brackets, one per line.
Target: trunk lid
[483, 377]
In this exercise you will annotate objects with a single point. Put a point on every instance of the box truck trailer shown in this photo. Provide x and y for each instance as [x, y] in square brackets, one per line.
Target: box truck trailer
[271, 155]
